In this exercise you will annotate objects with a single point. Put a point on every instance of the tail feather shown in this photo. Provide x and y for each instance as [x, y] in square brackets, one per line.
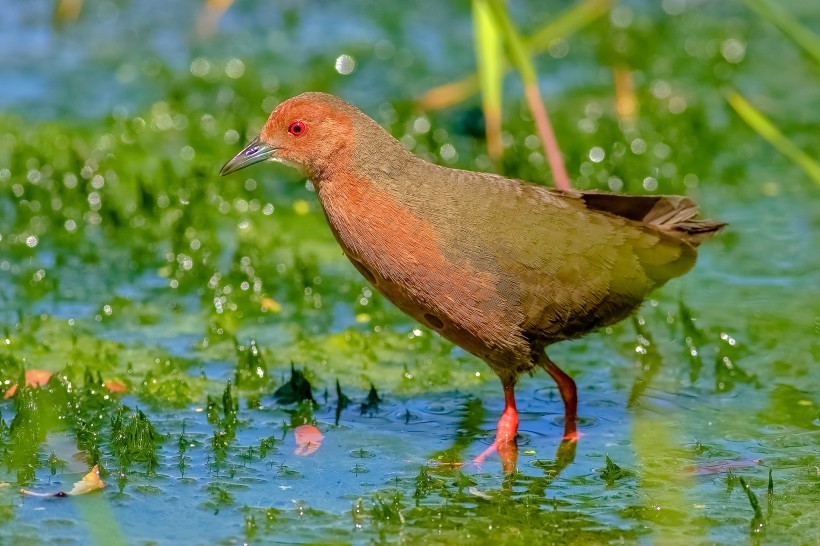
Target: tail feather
[673, 214]
[698, 231]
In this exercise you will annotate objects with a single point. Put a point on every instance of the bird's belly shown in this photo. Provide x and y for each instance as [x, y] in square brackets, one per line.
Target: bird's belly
[411, 294]
[402, 256]
[460, 305]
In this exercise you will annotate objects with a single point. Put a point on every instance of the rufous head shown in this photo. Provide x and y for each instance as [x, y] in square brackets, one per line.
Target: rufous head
[312, 131]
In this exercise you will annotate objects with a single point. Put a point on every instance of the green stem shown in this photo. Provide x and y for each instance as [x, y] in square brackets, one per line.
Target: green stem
[790, 26]
[772, 134]
[520, 57]
[568, 22]
[490, 56]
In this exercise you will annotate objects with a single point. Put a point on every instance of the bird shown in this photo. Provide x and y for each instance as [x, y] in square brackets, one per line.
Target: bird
[500, 267]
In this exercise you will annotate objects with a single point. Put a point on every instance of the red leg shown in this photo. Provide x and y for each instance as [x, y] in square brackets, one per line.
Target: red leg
[505, 443]
[508, 423]
[569, 394]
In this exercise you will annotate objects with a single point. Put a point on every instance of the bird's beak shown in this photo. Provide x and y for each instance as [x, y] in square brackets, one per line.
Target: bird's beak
[257, 150]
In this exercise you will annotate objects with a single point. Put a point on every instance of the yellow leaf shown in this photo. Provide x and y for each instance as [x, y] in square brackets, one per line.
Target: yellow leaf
[271, 305]
[91, 482]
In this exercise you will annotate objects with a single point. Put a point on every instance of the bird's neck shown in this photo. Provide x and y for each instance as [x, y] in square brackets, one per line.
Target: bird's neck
[360, 213]
[369, 181]
[373, 194]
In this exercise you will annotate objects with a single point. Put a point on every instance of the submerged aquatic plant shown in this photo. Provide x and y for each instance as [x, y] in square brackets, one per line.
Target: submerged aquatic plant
[757, 524]
[296, 389]
[134, 439]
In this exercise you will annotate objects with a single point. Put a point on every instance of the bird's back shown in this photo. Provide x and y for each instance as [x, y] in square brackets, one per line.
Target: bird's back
[565, 263]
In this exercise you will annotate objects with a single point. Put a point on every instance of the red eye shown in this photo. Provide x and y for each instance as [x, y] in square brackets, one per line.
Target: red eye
[297, 128]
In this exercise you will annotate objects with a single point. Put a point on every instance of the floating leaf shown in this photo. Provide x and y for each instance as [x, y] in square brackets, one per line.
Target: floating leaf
[91, 482]
[719, 467]
[308, 440]
[115, 386]
[34, 378]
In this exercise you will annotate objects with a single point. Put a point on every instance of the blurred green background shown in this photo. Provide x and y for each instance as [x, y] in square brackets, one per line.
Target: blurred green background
[126, 263]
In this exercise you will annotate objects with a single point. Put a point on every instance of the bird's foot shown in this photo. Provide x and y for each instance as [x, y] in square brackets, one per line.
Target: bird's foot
[505, 444]
[572, 436]
[506, 447]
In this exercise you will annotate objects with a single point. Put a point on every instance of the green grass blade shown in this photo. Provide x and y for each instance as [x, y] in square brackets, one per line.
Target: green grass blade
[757, 522]
[568, 22]
[520, 57]
[772, 134]
[516, 50]
[490, 59]
[788, 24]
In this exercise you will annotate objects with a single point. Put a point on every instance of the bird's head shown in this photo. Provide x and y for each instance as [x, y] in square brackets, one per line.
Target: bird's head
[313, 132]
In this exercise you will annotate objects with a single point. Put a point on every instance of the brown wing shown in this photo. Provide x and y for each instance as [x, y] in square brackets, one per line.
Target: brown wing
[597, 259]
[565, 262]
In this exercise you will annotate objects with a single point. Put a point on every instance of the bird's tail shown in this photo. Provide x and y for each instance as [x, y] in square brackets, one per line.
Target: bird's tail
[672, 214]
[677, 215]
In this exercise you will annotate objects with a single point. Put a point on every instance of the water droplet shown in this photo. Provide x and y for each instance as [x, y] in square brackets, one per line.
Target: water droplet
[558, 48]
[231, 136]
[615, 183]
[674, 7]
[200, 67]
[597, 154]
[622, 16]
[650, 184]
[345, 64]
[234, 69]
[733, 50]
[448, 153]
[421, 125]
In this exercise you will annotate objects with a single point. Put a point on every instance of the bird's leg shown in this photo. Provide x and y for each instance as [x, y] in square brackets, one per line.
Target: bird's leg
[569, 394]
[508, 423]
[505, 443]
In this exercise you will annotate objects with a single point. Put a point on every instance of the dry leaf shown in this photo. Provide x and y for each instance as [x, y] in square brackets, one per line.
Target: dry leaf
[91, 482]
